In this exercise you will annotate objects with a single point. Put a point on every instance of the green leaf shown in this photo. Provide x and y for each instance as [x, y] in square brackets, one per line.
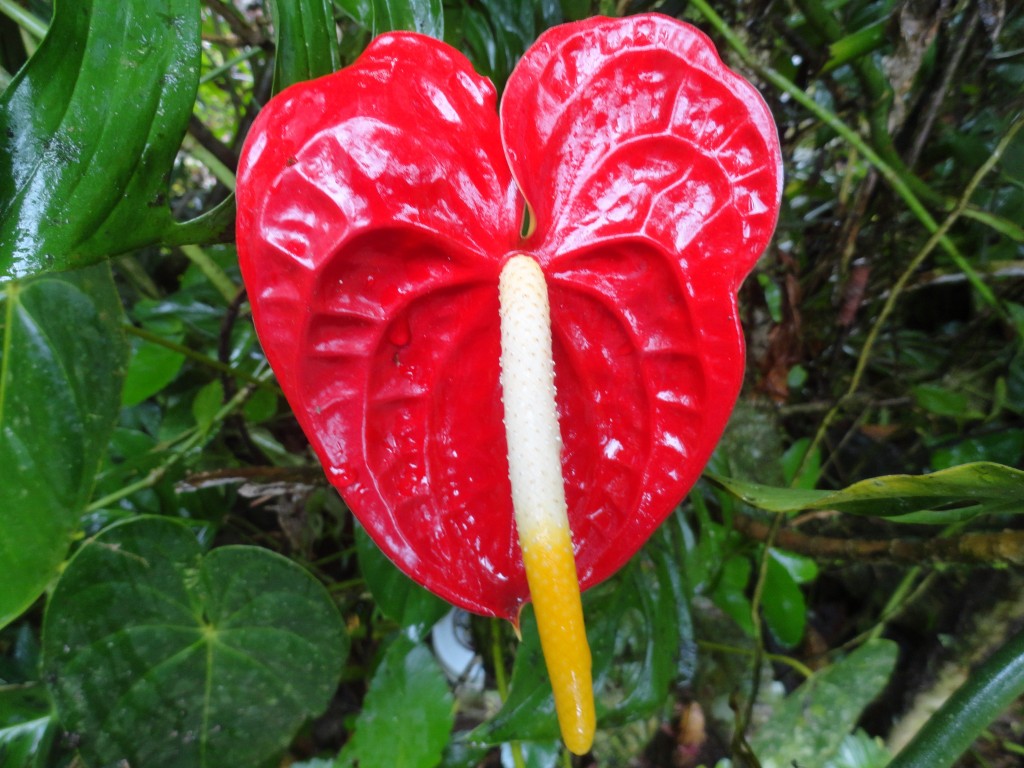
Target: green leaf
[61, 366]
[944, 402]
[399, 598]
[160, 656]
[940, 498]
[89, 130]
[306, 41]
[153, 366]
[26, 726]
[424, 16]
[808, 727]
[785, 609]
[858, 750]
[730, 592]
[407, 714]
[207, 403]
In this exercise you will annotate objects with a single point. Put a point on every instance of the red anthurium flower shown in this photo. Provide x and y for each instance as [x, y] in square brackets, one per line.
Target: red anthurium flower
[378, 208]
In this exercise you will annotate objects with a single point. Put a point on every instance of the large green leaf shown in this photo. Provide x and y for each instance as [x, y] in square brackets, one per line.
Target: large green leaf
[159, 656]
[89, 130]
[407, 714]
[940, 498]
[62, 356]
[306, 41]
[399, 598]
[808, 728]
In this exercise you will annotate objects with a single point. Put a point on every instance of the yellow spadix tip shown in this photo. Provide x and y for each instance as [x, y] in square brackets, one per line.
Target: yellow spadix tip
[554, 590]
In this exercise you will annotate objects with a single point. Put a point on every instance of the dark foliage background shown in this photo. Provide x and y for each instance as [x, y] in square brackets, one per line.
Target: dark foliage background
[762, 625]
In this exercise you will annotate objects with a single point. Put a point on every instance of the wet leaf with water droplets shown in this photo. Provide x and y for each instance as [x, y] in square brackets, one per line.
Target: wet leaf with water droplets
[62, 357]
[161, 656]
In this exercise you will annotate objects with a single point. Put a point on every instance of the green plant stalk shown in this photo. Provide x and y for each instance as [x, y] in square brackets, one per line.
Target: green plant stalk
[27, 21]
[879, 97]
[891, 175]
[216, 72]
[200, 358]
[502, 680]
[989, 690]
[189, 440]
[892, 605]
[890, 303]
[217, 276]
[805, 671]
[222, 173]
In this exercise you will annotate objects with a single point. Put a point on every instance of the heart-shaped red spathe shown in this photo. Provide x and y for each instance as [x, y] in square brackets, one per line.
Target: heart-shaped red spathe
[377, 207]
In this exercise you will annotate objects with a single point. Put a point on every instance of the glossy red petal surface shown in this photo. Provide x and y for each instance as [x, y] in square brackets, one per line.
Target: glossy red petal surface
[376, 208]
[654, 176]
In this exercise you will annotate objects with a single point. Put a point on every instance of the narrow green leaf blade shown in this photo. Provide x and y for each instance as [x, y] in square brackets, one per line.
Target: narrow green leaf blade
[989, 690]
[163, 657]
[424, 16]
[306, 41]
[948, 496]
[89, 130]
[62, 356]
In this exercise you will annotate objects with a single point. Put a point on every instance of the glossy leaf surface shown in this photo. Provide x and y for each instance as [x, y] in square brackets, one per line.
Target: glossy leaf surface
[306, 41]
[377, 208]
[89, 130]
[62, 357]
[163, 656]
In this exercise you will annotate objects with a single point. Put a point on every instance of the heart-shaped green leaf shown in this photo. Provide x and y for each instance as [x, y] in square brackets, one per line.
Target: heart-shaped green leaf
[89, 130]
[160, 656]
[62, 357]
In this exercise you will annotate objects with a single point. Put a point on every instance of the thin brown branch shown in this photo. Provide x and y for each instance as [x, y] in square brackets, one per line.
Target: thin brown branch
[990, 548]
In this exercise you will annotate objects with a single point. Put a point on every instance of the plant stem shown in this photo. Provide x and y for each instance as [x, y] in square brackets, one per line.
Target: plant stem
[223, 174]
[188, 441]
[898, 183]
[498, 661]
[890, 303]
[217, 276]
[789, 661]
[199, 357]
[24, 19]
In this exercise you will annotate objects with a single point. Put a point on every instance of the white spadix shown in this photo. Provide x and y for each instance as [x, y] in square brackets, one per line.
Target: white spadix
[538, 495]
